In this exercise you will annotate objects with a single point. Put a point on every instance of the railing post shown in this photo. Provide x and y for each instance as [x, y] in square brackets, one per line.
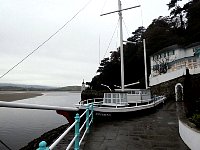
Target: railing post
[87, 118]
[43, 146]
[77, 125]
[92, 110]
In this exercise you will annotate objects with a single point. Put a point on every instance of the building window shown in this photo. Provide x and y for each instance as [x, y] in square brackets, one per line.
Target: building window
[196, 51]
[156, 57]
[167, 53]
[155, 67]
[171, 53]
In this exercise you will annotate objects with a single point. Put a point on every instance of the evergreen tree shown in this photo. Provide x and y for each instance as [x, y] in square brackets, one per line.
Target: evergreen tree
[193, 24]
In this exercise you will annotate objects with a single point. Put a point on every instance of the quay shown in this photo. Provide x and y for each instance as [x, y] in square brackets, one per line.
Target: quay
[155, 131]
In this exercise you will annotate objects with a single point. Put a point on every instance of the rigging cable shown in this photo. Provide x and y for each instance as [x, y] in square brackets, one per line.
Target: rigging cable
[111, 39]
[46, 40]
[141, 12]
[117, 37]
[5, 145]
[127, 31]
[104, 4]
[99, 47]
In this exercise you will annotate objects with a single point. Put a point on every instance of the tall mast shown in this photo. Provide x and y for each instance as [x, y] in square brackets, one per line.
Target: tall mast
[121, 45]
[145, 63]
[121, 38]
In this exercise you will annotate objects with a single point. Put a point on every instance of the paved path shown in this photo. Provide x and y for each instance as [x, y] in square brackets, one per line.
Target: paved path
[156, 131]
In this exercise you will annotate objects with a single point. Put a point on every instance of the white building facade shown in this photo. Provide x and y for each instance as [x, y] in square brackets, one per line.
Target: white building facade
[172, 62]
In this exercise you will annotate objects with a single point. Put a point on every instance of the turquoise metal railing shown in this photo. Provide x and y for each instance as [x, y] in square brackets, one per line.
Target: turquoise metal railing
[76, 140]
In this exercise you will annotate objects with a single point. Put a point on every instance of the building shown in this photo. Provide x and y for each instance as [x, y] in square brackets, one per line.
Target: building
[83, 86]
[171, 62]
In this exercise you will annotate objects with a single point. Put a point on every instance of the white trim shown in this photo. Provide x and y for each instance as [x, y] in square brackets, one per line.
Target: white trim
[190, 136]
[176, 94]
[166, 77]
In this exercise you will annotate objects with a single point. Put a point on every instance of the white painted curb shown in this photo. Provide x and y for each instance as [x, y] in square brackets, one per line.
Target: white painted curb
[190, 136]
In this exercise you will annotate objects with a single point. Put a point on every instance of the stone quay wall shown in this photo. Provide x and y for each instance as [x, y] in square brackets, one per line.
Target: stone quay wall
[168, 88]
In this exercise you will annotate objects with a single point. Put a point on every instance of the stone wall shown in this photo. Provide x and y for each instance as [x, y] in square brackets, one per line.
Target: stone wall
[168, 88]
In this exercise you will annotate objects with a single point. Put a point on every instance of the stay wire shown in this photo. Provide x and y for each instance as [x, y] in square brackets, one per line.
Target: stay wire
[46, 40]
[111, 39]
[141, 13]
[5, 145]
[127, 31]
[104, 4]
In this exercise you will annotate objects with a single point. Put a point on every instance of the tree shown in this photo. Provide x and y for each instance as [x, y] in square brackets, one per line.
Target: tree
[160, 34]
[193, 24]
[178, 14]
[103, 65]
[137, 35]
[109, 72]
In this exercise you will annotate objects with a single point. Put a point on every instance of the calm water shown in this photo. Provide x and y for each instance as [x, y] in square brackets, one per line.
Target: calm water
[20, 126]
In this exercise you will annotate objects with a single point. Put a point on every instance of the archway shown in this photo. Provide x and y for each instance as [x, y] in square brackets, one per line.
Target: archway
[179, 92]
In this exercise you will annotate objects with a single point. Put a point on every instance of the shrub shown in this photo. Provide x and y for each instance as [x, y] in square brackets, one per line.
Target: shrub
[196, 119]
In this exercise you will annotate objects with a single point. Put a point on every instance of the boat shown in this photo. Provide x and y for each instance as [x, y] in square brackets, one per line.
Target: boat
[115, 106]
[122, 102]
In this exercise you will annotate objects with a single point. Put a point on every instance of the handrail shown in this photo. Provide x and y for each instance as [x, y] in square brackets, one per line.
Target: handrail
[62, 136]
[35, 106]
[76, 141]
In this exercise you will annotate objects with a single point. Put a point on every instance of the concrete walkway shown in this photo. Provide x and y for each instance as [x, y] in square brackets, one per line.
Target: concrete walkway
[156, 131]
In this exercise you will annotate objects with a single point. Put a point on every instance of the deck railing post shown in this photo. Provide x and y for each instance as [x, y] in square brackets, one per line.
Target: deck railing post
[43, 146]
[77, 133]
[87, 118]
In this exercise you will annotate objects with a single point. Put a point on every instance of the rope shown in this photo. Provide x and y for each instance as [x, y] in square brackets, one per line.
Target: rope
[5, 145]
[141, 13]
[46, 40]
[111, 39]
[127, 30]
[104, 4]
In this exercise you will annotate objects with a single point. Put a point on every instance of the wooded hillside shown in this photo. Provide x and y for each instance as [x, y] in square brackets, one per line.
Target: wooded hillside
[181, 27]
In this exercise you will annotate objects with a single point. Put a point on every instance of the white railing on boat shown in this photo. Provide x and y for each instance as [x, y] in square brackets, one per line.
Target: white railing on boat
[99, 101]
[90, 101]
[155, 98]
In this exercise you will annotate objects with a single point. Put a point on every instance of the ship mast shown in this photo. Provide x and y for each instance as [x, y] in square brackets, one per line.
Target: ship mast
[121, 38]
[121, 45]
[145, 63]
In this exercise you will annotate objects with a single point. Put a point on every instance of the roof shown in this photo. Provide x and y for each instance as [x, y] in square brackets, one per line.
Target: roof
[166, 49]
[176, 46]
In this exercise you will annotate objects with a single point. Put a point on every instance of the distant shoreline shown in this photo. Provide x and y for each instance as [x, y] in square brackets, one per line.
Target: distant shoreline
[10, 96]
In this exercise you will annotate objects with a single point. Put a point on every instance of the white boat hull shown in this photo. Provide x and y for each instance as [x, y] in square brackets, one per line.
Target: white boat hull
[110, 113]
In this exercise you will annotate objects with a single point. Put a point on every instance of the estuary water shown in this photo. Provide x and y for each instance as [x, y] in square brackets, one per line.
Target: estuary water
[20, 126]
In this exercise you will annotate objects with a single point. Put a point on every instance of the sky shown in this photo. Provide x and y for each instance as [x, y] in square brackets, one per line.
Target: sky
[73, 54]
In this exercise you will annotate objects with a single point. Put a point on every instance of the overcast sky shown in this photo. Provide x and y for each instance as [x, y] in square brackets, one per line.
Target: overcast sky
[73, 54]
